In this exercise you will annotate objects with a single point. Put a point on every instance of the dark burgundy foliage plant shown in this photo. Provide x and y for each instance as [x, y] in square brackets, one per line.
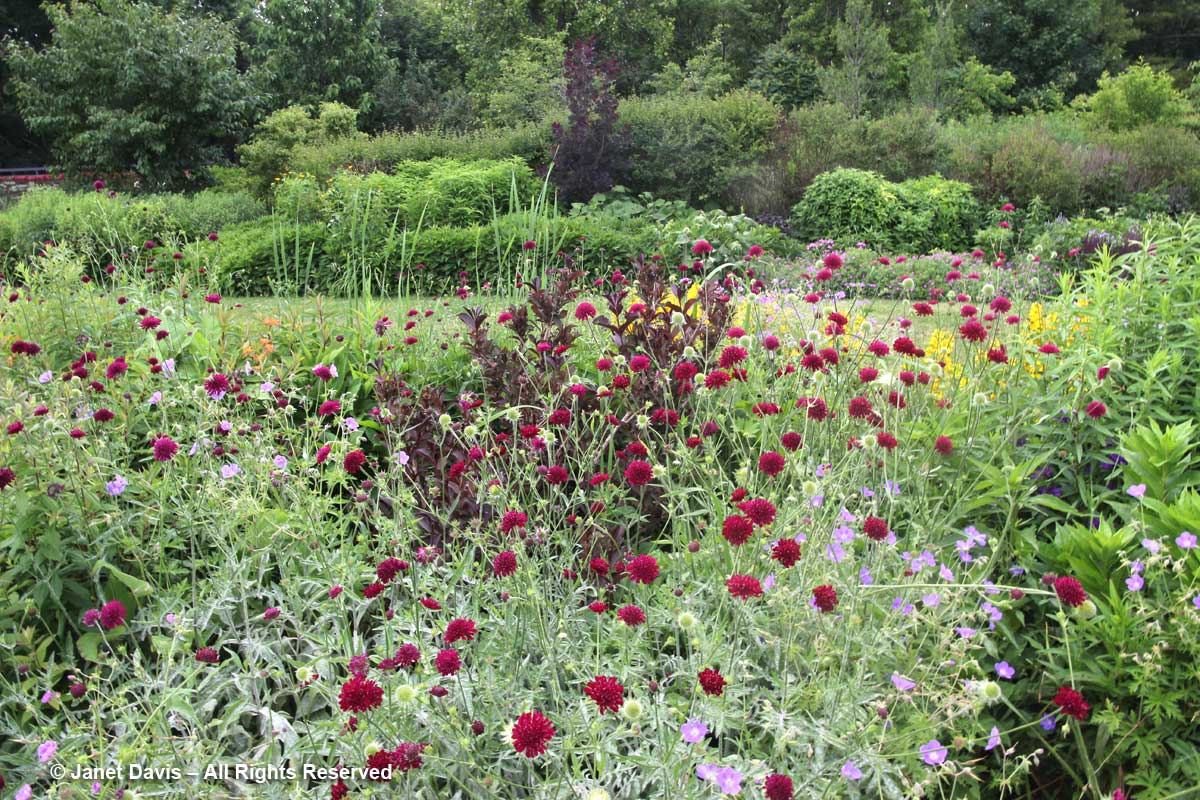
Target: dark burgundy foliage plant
[588, 152]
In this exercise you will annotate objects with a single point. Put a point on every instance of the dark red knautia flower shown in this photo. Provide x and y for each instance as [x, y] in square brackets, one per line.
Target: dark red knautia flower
[631, 615]
[744, 587]
[112, 615]
[1070, 591]
[607, 692]
[531, 733]
[786, 552]
[164, 448]
[512, 520]
[778, 787]
[712, 682]
[207, 655]
[875, 528]
[360, 694]
[944, 445]
[825, 597]
[504, 564]
[642, 569]
[639, 473]
[771, 463]
[353, 461]
[737, 530]
[761, 512]
[1071, 703]
[447, 661]
[460, 629]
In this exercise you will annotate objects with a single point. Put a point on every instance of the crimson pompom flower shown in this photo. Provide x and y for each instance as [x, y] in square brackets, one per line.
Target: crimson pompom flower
[7, 477]
[207, 655]
[638, 473]
[329, 408]
[512, 520]
[1070, 591]
[792, 441]
[973, 331]
[712, 682]
[430, 603]
[597, 607]
[531, 733]
[886, 440]
[217, 385]
[556, 475]
[642, 569]
[771, 463]
[1071, 703]
[786, 552]
[875, 528]
[825, 597]
[860, 407]
[731, 356]
[639, 363]
[778, 787]
[737, 530]
[560, 416]
[631, 615]
[353, 461]
[833, 261]
[607, 692]
[447, 661]
[103, 415]
[716, 379]
[685, 371]
[760, 511]
[1096, 409]
[407, 656]
[1049, 348]
[389, 568]
[112, 615]
[701, 248]
[504, 564]
[744, 587]
[944, 445]
[584, 311]
[149, 322]
[360, 694]
[459, 629]
[164, 448]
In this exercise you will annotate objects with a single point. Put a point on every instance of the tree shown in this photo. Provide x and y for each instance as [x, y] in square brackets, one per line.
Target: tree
[319, 50]
[1138, 96]
[587, 153]
[129, 86]
[1052, 47]
[939, 79]
[862, 43]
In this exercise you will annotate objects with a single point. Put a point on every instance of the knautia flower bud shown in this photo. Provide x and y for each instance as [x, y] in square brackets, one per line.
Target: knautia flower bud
[989, 692]
[632, 710]
[870, 440]
[687, 620]
[677, 318]
[810, 488]
[909, 284]
[512, 413]
[1115, 364]
[444, 421]
[372, 748]
[659, 471]
[470, 431]
[548, 437]
[979, 399]
[1085, 610]
[405, 693]
[304, 674]
[689, 352]
[988, 290]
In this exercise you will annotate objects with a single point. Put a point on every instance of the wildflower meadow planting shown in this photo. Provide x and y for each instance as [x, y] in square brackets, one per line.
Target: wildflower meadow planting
[600, 401]
[676, 529]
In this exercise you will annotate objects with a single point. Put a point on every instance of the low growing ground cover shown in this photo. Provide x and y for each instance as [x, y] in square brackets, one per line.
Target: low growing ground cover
[674, 532]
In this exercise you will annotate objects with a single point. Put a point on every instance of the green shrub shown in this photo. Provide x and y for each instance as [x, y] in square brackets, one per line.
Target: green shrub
[265, 256]
[30, 221]
[694, 147]
[530, 142]
[1141, 95]
[848, 205]
[268, 154]
[935, 213]
[1166, 159]
[1032, 162]
[199, 214]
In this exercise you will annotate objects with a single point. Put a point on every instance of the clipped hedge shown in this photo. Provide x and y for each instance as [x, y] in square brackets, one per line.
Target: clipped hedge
[919, 215]
[692, 147]
[262, 257]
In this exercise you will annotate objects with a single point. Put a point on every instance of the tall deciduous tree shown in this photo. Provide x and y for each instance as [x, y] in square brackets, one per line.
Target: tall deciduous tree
[319, 50]
[862, 45]
[130, 86]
